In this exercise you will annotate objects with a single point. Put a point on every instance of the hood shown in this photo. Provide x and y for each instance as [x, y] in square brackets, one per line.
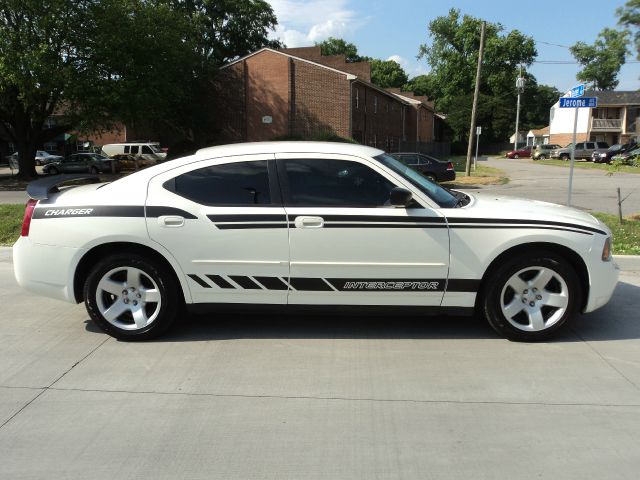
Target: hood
[487, 206]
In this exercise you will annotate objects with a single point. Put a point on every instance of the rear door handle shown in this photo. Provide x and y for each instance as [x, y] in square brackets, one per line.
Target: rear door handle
[171, 221]
[309, 222]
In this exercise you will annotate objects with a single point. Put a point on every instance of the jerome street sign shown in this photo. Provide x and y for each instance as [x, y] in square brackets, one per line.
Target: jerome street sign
[587, 102]
[577, 91]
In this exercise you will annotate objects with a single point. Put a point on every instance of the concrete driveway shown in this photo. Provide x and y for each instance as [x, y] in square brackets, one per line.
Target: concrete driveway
[274, 397]
[592, 189]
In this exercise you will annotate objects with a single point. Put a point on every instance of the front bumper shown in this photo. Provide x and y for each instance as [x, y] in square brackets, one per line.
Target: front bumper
[603, 277]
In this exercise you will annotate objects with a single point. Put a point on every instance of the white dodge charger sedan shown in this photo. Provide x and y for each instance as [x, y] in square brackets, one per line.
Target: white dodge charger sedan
[307, 225]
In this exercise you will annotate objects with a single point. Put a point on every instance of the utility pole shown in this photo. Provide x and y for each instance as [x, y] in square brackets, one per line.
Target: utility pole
[475, 99]
[520, 88]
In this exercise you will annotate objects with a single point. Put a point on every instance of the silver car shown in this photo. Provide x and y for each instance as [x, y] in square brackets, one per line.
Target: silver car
[583, 150]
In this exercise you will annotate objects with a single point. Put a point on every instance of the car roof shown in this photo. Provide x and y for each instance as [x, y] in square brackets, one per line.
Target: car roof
[286, 147]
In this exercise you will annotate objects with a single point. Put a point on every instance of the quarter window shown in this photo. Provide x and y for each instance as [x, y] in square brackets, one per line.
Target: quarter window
[241, 183]
[338, 183]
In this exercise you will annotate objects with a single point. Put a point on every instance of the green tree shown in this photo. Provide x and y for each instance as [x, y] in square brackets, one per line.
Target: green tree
[630, 17]
[387, 73]
[103, 61]
[338, 46]
[420, 85]
[453, 56]
[602, 61]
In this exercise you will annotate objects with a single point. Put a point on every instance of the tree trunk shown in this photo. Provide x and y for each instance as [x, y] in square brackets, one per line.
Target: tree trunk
[27, 156]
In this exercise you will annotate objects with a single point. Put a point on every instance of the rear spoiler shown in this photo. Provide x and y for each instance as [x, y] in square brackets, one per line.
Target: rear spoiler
[41, 188]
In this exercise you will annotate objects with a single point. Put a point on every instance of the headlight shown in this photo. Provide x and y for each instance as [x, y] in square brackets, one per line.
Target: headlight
[606, 250]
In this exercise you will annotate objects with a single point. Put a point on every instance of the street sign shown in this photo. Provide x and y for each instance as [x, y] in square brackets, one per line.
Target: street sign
[478, 130]
[583, 102]
[577, 91]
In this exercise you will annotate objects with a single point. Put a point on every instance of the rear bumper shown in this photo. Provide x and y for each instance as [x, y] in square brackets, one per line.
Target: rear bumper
[45, 269]
[446, 176]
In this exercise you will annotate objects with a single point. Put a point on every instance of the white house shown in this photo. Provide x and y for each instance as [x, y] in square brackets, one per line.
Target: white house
[613, 121]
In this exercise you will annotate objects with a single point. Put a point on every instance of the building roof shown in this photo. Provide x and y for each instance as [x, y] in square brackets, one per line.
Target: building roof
[540, 132]
[349, 76]
[615, 97]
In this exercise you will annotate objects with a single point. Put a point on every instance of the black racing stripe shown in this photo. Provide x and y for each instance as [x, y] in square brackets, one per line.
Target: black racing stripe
[247, 218]
[375, 218]
[387, 284]
[463, 285]
[219, 281]
[380, 225]
[271, 283]
[244, 226]
[508, 221]
[245, 282]
[310, 284]
[199, 281]
[85, 211]
[513, 227]
[158, 211]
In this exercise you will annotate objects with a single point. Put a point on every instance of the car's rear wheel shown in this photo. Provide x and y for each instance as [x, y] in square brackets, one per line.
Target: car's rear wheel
[431, 177]
[131, 297]
[532, 297]
[542, 156]
[53, 171]
[564, 157]
[516, 155]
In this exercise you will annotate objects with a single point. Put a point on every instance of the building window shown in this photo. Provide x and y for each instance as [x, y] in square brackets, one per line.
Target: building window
[375, 104]
[50, 147]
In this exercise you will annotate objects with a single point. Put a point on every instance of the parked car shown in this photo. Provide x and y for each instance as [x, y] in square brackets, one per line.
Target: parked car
[630, 157]
[607, 155]
[82, 162]
[543, 151]
[307, 225]
[43, 158]
[431, 167]
[148, 151]
[583, 150]
[524, 152]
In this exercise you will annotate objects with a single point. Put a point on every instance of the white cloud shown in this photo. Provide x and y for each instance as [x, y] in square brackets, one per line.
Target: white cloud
[412, 67]
[305, 22]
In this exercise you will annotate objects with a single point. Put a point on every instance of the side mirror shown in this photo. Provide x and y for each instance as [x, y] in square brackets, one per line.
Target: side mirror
[400, 197]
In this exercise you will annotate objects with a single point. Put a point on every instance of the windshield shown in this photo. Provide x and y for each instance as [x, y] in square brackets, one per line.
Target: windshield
[441, 196]
[615, 147]
[154, 148]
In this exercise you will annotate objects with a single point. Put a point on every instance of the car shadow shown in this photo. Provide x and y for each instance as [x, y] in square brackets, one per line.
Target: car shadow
[618, 320]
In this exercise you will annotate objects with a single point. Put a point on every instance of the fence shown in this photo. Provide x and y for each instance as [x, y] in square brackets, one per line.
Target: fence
[437, 149]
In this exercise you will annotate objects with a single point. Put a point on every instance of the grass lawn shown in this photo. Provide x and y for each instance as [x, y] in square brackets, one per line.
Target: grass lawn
[626, 237]
[483, 175]
[591, 165]
[10, 223]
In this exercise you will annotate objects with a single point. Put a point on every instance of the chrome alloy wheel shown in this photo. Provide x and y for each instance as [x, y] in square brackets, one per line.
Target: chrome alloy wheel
[534, 299]
[128, 298]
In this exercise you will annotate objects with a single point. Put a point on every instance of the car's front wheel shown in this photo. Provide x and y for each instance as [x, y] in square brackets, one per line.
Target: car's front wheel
[530, 298]
[131, 297]
[564, 157]
[542, 156]
[516, 156]
[53, 171]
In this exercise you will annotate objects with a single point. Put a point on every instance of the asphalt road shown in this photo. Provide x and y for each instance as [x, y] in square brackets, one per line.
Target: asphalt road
[593, 189]
[275, 397]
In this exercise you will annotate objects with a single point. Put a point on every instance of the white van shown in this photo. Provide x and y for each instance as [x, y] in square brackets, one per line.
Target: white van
[149, 151]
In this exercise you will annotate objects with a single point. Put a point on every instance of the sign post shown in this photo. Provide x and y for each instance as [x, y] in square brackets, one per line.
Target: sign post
[576, 101]
[475, 160]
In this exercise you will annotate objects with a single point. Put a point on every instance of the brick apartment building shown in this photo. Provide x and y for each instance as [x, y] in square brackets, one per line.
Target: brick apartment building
[298, 92]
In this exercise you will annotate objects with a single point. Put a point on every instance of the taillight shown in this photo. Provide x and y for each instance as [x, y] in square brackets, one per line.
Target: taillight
[449, 166]
[28, 213]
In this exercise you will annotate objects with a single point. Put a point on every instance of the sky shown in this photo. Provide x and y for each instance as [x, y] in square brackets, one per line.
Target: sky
[396, 29]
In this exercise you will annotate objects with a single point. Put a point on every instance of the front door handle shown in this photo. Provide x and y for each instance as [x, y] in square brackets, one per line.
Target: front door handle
[171, 221]
[309, 222]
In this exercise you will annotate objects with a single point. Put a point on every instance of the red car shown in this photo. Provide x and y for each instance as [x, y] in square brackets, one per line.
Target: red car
[524, 152]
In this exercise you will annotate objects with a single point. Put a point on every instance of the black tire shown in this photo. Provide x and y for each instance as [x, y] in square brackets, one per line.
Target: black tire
[431, 177]
[516, 156]
[542, 156]
[564, 157]
[160, 314]
[38, 162]
[53, 171]
[525, 267]
[93, 171]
